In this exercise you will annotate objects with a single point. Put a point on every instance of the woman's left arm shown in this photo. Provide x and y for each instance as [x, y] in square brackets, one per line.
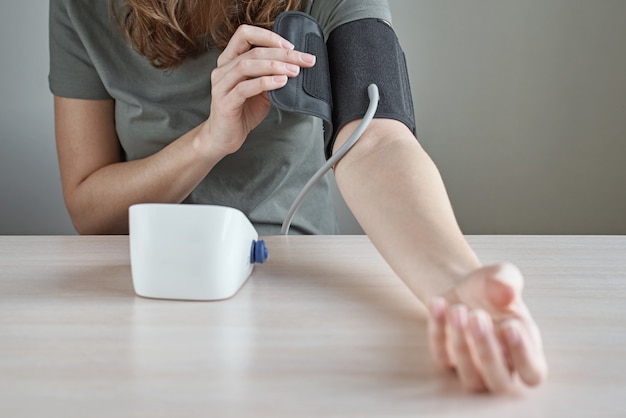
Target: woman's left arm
[396, 193]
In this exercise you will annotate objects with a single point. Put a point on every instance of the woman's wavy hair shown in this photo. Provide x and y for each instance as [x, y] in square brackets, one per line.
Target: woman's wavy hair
[168, 31]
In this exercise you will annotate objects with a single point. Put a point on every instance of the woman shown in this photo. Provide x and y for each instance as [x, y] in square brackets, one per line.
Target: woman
[167, 101]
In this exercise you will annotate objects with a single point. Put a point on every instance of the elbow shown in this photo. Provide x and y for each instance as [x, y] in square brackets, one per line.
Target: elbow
[90, 220]
[86, 226]
[81, 222]
[83, 227]
[381, 134]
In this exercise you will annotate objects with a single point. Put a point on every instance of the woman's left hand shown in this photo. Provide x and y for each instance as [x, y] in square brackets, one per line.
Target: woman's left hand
[483, 329]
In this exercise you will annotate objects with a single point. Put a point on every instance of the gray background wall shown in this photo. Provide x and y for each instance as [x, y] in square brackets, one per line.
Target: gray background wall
[521, 103]
[30, 191]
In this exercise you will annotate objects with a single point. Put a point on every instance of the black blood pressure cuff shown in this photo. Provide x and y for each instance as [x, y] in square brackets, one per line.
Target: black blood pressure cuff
[357, 54]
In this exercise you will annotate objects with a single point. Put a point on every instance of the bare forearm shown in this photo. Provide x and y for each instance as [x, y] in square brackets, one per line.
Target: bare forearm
[397, 195]
[99, 204]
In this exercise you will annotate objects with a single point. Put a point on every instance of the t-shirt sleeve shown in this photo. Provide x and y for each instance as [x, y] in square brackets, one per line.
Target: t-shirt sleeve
[333, 13]
[72, 73]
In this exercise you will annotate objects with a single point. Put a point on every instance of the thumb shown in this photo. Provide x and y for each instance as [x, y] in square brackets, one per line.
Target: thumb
[495, 286]
[503, 285]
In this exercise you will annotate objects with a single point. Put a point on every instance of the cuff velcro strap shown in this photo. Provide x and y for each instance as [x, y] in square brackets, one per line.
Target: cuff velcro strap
[310, 91]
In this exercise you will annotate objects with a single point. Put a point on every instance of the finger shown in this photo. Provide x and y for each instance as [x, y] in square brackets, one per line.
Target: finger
[302, 59]
[250, 88]
[437, 332]
[488, 353]
[246, 37]
[246, 69]
[466, 369]
[253, 63]
[526, 353]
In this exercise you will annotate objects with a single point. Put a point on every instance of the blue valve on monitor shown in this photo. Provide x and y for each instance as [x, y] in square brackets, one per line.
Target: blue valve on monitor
[259, 253]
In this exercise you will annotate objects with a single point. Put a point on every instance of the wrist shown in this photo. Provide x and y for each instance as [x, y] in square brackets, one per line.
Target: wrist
[444, 279]
[218, 142]
[204, 147]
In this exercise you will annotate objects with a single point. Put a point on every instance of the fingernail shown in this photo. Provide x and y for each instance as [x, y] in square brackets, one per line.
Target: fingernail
[307, 58]
[292, 68]
[509, 274]
[459, 316]
[280, 79]
[479, 324]
[287, 44]
[512, 335]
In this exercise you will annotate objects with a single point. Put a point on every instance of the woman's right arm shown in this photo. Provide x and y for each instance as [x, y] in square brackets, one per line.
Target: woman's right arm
[99, 187]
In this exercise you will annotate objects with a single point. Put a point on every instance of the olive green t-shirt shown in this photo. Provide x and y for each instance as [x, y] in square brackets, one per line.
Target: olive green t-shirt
[90, 59]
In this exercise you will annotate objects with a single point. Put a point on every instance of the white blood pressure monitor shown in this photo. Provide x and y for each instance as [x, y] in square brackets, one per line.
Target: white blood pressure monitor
[191, 252]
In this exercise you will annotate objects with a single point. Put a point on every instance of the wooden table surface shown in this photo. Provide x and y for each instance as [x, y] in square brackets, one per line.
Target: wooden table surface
[323, 329]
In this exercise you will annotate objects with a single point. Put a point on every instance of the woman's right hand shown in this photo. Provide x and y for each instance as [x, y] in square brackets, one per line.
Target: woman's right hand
[255, 61]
